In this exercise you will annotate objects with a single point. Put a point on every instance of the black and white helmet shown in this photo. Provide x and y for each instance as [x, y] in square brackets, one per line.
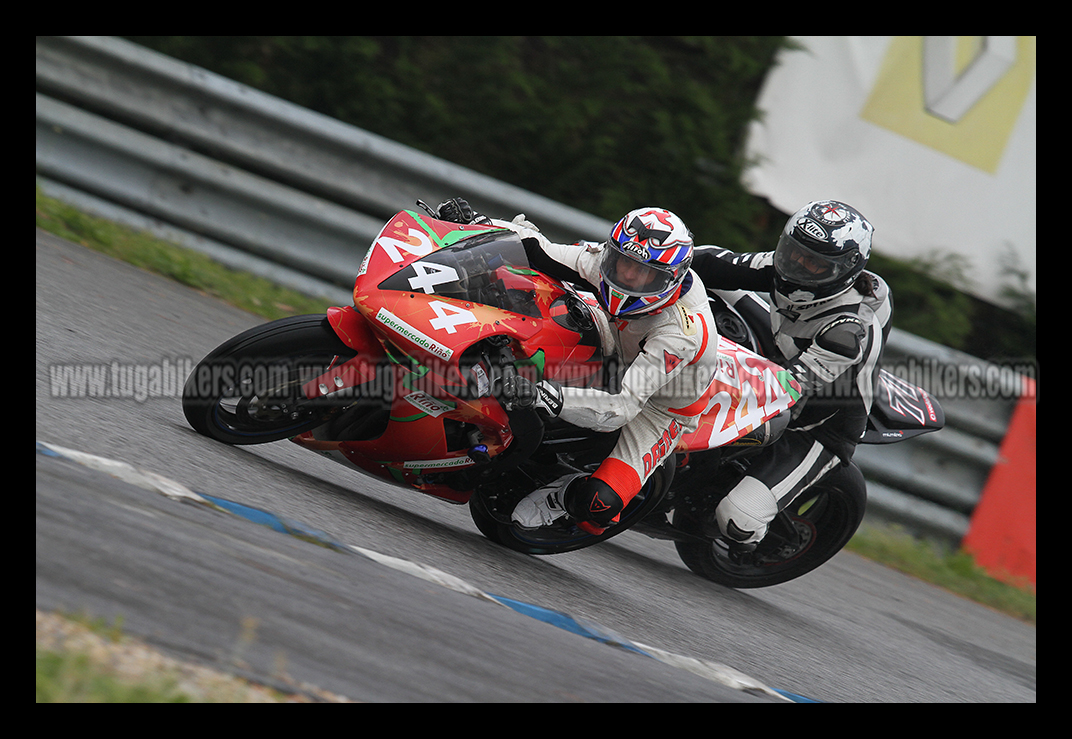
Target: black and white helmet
[822, 250]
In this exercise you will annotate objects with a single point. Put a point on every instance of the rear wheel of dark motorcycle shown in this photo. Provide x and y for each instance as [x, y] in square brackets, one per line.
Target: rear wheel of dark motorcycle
[564, 535]
[810, 531]
[249, 389]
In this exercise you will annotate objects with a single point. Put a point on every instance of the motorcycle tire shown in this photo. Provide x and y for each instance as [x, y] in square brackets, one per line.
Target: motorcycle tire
[823, 519]
[564, 535]
[248, 390]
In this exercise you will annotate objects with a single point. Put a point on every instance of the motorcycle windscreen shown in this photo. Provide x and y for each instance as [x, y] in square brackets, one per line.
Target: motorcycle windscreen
[488, 269]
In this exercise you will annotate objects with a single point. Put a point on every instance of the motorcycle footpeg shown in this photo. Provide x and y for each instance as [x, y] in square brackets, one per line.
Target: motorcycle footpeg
[741, 554]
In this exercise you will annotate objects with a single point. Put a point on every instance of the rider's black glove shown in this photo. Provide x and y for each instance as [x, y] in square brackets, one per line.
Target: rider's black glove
[456, 210]
[545, 396]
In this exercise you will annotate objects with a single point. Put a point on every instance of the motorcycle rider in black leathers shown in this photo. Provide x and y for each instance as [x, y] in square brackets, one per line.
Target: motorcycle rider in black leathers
[830, 319]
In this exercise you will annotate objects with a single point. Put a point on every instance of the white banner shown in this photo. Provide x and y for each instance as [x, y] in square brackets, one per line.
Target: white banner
[932, 138]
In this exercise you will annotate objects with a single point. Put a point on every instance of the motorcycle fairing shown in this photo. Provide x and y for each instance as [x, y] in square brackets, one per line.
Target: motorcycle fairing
[900, 410]
[429, 292]
[745, 392]
[433, 289]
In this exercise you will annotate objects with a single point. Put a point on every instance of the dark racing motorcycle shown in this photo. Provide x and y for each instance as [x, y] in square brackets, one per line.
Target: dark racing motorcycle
[816, 525]
[414, 384]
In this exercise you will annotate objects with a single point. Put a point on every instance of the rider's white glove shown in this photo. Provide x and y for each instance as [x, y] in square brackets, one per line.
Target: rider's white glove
[521, 221]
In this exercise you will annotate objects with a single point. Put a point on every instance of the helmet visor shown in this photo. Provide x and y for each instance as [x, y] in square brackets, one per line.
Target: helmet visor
[632, 277]
[798, 264]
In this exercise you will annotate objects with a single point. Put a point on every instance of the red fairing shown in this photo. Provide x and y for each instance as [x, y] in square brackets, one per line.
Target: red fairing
[426, 296]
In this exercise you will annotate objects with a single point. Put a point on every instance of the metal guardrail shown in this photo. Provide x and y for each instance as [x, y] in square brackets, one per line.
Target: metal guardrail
[268, 186]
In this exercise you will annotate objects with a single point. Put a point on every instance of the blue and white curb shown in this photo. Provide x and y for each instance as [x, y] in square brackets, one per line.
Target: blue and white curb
[151, 481]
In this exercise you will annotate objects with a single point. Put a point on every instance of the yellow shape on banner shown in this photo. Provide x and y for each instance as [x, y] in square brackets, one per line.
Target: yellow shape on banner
[968, 117]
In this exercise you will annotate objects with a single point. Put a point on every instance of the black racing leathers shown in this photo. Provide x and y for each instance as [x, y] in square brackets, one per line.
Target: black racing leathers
[831, 346]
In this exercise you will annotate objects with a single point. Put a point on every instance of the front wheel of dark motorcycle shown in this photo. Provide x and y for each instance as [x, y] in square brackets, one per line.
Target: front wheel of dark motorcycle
[564, 535]
[249, 389]
[811, 530]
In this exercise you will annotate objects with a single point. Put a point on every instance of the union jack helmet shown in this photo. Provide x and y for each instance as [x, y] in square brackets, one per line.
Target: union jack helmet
[645, 261]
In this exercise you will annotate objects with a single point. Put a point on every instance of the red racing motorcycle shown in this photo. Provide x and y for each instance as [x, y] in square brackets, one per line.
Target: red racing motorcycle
[412, 384]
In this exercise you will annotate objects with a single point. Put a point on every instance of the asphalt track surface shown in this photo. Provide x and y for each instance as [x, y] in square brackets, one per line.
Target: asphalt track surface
[214, 587]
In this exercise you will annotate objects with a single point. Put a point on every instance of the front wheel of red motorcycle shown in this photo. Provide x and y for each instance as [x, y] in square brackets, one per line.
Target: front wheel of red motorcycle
[249, 389]
[564, 535]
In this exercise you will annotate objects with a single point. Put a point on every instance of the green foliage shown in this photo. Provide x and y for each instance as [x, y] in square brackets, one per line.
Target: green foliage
[918, 297]
[604, 123]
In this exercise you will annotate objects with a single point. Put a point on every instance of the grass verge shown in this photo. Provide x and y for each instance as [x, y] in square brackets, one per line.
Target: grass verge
[248, 292]
[83, 660]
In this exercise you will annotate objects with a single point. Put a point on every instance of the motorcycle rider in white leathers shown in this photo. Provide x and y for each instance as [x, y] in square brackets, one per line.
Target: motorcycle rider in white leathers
[665, 336]
[830, 319]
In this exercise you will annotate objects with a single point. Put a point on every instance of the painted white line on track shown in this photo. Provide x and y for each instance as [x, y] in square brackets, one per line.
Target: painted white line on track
[719, 673]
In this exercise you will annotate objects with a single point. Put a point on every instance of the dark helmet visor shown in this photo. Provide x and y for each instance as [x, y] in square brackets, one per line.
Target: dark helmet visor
[798, 264]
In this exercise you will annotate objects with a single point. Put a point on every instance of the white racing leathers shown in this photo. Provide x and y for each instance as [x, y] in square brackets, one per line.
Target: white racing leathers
[833, 348]
[669, 357]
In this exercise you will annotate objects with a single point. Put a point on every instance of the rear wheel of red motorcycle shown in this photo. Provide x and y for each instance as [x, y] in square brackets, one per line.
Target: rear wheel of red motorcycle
[564, 535]
[815, 527]
[249, 389]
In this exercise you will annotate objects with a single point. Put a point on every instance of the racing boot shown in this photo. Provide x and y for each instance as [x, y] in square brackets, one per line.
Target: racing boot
[544, 506]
